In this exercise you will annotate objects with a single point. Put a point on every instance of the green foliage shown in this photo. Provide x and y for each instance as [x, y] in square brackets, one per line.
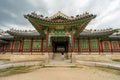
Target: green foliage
[109, 70]
[4, 59]
[14, 70]
[116, 60]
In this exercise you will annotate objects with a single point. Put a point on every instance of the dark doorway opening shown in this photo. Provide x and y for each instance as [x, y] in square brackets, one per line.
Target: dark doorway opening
[60, 46]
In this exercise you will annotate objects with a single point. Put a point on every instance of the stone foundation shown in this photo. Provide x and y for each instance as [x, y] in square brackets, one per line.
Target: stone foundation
[5, 56]
[47, 56]
[101, 58]
[27, 57]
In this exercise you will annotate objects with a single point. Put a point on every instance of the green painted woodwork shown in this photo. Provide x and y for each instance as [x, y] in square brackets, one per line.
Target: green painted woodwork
[94, 44]
[76, 44]
[115, 46]
[59, 36]
[65, 23]
[59, 31]
[44, 44]
[26, 45]
[7, 46]
[36, 44]
[106, 45]
[84, 44]
[16, 45]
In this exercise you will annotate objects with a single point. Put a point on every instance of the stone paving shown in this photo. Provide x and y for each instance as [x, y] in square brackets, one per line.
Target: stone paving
[115, 65]
[61, 63]
[14, 64]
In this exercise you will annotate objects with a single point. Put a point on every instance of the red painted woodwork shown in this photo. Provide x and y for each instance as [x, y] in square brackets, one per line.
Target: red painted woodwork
[110, 46]
[72, 35]
[4, 47]
[19, 45]
[101, 46]
[47, 41]
[119, 45]
[22, 45]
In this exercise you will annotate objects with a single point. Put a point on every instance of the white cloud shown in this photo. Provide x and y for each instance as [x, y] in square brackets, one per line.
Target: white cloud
[107, 11]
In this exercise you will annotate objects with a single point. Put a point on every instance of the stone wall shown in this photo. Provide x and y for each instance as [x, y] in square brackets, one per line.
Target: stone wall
[5, 56]
[101, 58]
[26, 57]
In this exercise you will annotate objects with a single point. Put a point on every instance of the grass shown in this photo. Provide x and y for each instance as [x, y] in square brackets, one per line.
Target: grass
[17, 70]
[109, 70]
[116, 60]
[4, 59]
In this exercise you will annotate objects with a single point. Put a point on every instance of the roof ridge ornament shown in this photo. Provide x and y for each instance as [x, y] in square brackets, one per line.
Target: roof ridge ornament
[58, 14]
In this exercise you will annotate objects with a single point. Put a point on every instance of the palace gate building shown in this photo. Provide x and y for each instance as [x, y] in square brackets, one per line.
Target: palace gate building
[60, 33]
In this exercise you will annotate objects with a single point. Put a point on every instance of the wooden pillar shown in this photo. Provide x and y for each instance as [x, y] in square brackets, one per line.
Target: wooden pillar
[1, 47]
[110, 46]
[20, 46]
[69, 46]
[42, 45]
[47, 42]
[4, 47]
[31, 45]
[14, 46]
[89, 44]
[102, 46]
[13, 43]
[118, 45]
[11, 46]
[72, 35]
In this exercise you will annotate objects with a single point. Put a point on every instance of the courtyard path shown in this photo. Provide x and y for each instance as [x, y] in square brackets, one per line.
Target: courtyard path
[63, 73]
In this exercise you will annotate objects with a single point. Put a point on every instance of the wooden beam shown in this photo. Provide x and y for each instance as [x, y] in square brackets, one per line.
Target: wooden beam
[81, 27]
[72, 35]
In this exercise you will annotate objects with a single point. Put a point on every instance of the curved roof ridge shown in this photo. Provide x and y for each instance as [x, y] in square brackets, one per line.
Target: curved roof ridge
[22, 31]
[98, 31]
[59, 13]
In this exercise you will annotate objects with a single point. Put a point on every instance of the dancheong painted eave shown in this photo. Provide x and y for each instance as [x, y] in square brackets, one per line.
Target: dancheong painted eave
[59, 21]
[65, 20]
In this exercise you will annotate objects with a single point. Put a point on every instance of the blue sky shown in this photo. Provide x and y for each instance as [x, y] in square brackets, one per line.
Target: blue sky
[12, 11]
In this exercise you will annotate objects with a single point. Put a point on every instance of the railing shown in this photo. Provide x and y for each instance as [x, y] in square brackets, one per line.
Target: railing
[39, 51]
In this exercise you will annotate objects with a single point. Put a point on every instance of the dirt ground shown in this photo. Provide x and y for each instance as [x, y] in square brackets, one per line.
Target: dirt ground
[63, 73]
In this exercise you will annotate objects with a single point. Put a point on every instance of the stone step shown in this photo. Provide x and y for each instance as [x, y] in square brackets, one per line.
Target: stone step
[60, 65]
[59, 56]
[55, 63]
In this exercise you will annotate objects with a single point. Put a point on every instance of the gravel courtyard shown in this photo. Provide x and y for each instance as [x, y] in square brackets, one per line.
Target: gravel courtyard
[64, 73]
